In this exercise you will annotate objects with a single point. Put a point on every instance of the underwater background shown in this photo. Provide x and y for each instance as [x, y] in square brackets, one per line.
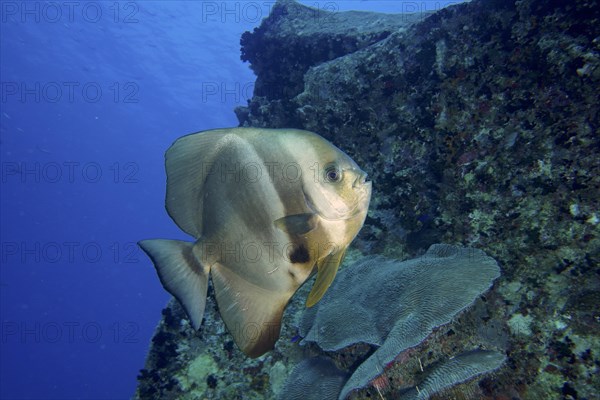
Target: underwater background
[478, 125]
[93, 93]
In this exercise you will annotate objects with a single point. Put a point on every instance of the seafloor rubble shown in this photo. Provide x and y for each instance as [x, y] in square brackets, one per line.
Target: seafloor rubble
[478, 126]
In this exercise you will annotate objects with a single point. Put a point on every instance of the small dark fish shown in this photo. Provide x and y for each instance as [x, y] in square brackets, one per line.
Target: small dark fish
[296, 339]
[423, 218]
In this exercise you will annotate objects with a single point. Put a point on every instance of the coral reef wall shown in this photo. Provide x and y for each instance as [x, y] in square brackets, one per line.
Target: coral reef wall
[479, 126]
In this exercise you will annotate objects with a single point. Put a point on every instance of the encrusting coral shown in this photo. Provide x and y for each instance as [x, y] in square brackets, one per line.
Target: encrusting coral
[394, 306]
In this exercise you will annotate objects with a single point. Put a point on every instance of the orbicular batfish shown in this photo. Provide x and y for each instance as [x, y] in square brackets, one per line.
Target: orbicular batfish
[267, 208]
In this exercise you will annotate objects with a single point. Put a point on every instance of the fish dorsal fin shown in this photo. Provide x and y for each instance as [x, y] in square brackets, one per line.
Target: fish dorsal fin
[252, 313]
[327, 269]
[298, 224]
[188, 163]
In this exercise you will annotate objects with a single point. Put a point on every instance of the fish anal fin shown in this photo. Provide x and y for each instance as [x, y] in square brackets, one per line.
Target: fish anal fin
[326, 271]
[252, 314]
[297, 224]
[180, 274]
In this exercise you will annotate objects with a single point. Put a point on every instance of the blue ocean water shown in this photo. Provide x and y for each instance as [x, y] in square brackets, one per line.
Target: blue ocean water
[92, 95]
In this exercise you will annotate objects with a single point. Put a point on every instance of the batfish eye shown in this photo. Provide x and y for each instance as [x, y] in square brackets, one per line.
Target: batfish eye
[333, 173]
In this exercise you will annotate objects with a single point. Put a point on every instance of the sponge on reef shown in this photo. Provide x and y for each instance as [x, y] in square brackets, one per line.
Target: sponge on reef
[314, 379]
[395, 305]
[457, 370]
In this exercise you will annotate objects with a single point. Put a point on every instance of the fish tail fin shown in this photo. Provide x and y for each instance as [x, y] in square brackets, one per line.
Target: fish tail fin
[180, 273]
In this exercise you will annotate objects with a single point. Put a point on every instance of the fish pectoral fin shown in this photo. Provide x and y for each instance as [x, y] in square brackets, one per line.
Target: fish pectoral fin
[326, 271]
[298, 224]
[252, 313]
[180, 274]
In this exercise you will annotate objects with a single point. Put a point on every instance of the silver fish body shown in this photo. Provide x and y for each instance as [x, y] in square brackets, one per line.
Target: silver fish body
[267, 208]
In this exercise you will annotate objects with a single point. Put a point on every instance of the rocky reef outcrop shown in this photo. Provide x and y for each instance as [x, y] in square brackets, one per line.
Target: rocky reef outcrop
[478, 125]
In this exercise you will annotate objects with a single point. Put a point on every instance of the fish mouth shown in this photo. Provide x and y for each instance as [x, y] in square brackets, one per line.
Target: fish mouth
[361, 179]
